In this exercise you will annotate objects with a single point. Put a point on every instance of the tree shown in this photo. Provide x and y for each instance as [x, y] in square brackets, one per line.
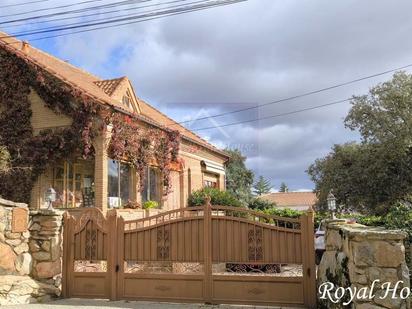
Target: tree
[283, 187]
[239, 178]
[262, 186]
[372, 175]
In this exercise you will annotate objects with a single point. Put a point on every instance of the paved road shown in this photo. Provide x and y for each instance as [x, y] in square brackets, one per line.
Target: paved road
[97, 304]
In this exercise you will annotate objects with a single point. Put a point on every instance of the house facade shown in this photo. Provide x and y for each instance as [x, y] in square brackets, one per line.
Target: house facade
[101, 180]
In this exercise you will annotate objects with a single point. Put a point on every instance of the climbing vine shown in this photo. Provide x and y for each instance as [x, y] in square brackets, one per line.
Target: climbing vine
[143, 146]
[32, 153]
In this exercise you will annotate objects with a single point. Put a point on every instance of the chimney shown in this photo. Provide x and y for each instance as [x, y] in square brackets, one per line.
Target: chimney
[25, 46]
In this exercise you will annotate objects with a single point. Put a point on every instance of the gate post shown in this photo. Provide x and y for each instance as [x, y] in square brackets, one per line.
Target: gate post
[308, 249]
[207, 242]
[67, 261]
[112, 253]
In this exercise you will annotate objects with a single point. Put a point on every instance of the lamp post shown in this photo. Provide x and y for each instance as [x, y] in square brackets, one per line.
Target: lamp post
[50, 197]
[331, 203]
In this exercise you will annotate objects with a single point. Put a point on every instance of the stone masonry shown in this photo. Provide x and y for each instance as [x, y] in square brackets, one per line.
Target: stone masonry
[45, 245]
[359, 257]
[26, 273]
[15, 258]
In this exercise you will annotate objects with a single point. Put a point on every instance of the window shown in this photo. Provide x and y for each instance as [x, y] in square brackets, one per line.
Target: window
[210, 180]
[74, 184]
[152, 189]
[119, 183]
[126, 101]
[210, 184]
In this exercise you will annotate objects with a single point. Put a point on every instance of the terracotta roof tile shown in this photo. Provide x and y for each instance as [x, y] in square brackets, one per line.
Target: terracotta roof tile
[95, 87]
[291, 199]
[109, 85]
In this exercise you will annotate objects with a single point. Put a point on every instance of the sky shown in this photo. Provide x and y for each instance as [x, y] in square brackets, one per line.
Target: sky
[238, 56]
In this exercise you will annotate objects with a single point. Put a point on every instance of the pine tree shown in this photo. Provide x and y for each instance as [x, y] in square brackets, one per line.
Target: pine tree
[283, 187]
[262, 186]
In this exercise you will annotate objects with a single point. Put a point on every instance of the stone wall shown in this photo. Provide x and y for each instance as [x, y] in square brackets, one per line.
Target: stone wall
[14, 256]
[46, 245]
[369, 262]
[24, 276]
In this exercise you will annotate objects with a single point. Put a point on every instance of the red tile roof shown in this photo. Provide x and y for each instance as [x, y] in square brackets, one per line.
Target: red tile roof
[109, 85]
[96, 88]
[291, 199]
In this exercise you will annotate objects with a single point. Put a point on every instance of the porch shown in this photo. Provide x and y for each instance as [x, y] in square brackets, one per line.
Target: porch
[106, 184]
[102, 182]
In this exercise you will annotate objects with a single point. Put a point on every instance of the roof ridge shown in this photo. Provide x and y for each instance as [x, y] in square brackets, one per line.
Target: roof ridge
[46, 53]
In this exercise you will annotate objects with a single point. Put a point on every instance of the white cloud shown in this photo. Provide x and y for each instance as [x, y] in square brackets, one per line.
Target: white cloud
[252, 53]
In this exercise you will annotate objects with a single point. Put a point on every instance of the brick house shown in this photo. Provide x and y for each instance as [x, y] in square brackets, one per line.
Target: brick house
[105, 182]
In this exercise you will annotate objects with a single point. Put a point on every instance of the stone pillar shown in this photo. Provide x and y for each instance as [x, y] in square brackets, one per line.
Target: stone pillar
[359, 257]
[17, 265]
[45, 246]
[101, 143]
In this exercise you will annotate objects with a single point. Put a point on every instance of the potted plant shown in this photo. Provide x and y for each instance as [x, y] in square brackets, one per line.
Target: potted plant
[150, 207]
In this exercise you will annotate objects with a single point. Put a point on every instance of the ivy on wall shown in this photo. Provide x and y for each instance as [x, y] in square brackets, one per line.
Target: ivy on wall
[32, 154]
[143, 146]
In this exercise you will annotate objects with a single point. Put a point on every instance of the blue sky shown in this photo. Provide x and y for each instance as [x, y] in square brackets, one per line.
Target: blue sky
[243, 55]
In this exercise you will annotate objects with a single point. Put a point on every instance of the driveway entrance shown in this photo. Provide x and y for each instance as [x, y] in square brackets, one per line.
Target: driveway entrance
[208, 254]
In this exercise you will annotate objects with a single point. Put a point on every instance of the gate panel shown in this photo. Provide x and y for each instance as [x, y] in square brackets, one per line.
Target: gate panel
[239, 241]
[262, 291]
[86, 255]
[150, 250]
[245, 242]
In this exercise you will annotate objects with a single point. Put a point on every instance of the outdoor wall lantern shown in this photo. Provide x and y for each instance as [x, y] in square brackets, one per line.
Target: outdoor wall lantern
[331, 203]
[50, 197]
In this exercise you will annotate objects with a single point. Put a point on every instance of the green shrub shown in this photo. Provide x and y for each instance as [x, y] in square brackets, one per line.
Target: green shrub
[150, 205]
[223, 198]
[259, 204]
[286, 212]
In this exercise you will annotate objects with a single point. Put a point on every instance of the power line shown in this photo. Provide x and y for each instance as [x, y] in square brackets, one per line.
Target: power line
[111, 19]
[93, 14]
[296, 96]
[128, 18]
[273, 116]
[155, 16]
[21, 4]
[97, 7]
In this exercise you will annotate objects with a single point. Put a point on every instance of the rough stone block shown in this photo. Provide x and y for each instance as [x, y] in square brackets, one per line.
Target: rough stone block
[387, 302]
[48, 269]
[333, 240]
[7, 259]
[41, 256]
[378, 253]
[13, 242]
[33, 246]
[11, 235]
[23, 247]
[46, 245]
[24, 263]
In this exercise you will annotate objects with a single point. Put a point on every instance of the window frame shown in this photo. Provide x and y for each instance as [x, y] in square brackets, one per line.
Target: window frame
[147, 186]
[119, 181]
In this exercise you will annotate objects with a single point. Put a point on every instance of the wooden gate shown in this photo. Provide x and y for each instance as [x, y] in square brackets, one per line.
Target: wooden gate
[211, 254]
